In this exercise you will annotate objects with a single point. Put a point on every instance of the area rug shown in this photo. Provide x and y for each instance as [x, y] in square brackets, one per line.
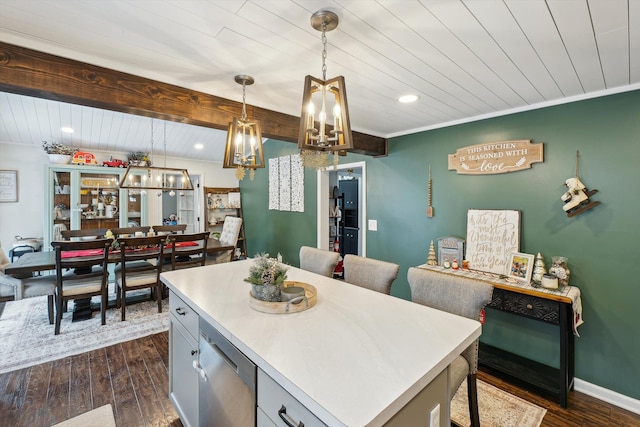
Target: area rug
[497, 408]
[27, 337]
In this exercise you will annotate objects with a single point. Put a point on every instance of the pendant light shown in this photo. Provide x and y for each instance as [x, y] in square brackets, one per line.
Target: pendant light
[152, 178]
[324, 122]
[244, 140]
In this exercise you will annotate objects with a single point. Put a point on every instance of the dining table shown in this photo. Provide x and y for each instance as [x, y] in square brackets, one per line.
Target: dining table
[36, 262]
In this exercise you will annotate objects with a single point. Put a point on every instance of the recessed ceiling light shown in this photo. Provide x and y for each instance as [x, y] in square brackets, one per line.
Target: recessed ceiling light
[67, 129]
[199, 146]
[408, 98]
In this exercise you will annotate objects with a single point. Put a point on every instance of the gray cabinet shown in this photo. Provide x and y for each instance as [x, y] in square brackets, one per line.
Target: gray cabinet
[183, 353]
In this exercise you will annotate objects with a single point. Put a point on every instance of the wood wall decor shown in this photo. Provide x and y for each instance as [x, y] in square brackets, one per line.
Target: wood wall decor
[496, 157]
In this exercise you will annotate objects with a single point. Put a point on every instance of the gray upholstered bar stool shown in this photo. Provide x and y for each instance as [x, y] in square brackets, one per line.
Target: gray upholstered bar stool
[370, 273]
[464, 297]
[318, 260]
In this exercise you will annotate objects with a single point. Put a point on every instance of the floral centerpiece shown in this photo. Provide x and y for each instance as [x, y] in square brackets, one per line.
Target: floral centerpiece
[138, 158]
[266, 276]
[58, 153]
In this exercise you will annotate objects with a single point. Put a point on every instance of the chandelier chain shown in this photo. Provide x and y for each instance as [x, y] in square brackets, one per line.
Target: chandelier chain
[244, 105]
[324, 51]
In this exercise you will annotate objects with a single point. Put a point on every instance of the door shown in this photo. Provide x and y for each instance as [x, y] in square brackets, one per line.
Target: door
[183, 206]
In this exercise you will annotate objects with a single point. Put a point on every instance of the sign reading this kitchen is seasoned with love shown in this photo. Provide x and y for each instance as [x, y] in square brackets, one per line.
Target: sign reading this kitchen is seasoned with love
[496, 157]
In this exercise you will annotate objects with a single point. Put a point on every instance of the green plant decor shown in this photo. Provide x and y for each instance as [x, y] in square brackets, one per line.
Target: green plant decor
[57, 148]
[266, 271]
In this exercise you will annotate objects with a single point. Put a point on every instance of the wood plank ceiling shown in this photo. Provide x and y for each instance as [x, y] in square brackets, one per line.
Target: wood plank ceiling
[465, 59]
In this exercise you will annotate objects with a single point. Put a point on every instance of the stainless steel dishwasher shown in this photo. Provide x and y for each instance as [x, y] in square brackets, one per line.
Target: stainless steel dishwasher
[227, 383]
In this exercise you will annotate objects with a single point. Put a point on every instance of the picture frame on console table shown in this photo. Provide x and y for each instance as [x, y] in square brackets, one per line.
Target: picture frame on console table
[520, 266]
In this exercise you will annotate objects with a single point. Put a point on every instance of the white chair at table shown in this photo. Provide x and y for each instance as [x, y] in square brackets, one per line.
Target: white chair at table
[370, 273]
[15, 288]
[463, 297]
[228, 236]
[318, 261]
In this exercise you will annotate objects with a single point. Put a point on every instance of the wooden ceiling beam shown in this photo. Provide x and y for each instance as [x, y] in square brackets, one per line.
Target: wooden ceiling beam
[42, 75]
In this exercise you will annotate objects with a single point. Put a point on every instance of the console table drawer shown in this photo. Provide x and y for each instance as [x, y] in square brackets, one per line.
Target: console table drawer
[526, 305]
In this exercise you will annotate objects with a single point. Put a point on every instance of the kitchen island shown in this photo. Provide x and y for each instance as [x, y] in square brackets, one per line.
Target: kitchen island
[356, 358]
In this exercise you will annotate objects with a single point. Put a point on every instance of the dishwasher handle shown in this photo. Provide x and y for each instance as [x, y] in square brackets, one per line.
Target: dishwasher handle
[199, 370]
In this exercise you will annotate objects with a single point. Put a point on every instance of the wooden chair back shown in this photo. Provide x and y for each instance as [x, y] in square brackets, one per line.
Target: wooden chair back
[170, 229]
[81, 276]
[129, 231]
[88, 232]
[141, 261]
[188, 256]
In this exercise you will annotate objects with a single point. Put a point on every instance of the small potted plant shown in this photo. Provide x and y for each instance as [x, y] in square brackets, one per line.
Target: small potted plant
[138, 158]
[266, 276]
[58, 153]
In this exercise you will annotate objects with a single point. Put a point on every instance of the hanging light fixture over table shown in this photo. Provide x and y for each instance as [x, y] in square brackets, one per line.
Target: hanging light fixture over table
[153, 178]
[324, 122]
[244, 140]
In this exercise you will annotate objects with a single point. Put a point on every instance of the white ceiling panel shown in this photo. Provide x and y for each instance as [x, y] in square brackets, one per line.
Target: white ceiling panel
[465, 59]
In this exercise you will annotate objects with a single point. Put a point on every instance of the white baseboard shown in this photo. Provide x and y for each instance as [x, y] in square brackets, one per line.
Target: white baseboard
[606, 395]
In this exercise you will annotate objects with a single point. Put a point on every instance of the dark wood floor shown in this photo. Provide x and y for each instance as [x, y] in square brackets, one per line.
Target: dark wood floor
[133, 377]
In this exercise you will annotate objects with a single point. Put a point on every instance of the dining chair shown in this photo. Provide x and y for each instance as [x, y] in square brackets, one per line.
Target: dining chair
[170, 229]
[318, 261]
[84, 234]
[14, 288]
[463, 297]
[141, 261]
[130, 231]
[370, 273]
[81, 275]
[228, 236]
[184, 253]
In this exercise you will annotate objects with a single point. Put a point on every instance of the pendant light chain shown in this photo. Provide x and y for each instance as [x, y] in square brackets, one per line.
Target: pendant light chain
[324, 51]
[244, 104]
[165, 144]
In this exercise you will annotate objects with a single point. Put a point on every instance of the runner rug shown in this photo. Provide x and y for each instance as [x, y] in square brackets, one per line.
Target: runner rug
[27, 339]
[497, 408]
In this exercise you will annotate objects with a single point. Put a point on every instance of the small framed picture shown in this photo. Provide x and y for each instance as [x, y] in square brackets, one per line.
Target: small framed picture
[8, 186]
[520, 266]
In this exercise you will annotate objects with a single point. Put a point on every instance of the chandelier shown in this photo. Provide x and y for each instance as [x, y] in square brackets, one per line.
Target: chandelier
[140, 177]
[244, 140]
[324, 123]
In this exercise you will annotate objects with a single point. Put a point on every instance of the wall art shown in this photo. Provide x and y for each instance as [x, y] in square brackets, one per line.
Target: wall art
[492, 235]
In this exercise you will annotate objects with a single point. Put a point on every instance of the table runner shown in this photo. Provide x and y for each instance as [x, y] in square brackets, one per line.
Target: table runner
[97, 252]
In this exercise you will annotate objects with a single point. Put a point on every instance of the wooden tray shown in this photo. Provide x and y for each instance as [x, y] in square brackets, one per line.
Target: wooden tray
[310, 293]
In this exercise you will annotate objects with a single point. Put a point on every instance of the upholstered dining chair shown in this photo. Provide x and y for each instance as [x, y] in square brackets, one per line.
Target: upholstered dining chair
[229, 235]
[462, 296]
[370, 273]
[170, 229]
[84, 234]
[188, 256]
[81, 275]
[318, 261]
[15, 288]
[141, 261]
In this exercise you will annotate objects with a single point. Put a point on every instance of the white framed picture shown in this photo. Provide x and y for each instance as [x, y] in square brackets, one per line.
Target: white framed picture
[8, 186]
[520, 266]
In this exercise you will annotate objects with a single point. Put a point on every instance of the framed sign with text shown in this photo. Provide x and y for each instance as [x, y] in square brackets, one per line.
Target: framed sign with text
[496, 157]
[8, 186]
[492, 236]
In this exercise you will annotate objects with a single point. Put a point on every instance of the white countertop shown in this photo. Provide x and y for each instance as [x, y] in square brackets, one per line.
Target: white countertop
[354, 359]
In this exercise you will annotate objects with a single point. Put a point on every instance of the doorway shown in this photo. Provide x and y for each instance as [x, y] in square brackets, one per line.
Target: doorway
[329, 178]
[183, 207]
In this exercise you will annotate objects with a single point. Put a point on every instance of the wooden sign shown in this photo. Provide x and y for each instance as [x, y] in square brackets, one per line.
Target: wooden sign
[492, 235]
[496, 157]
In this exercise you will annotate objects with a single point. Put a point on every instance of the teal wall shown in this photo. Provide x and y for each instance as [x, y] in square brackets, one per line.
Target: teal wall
[601, 244]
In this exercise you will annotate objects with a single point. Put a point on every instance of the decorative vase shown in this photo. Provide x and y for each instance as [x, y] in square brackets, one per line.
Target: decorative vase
[560, 270]
[61, 159]
[266, 292]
